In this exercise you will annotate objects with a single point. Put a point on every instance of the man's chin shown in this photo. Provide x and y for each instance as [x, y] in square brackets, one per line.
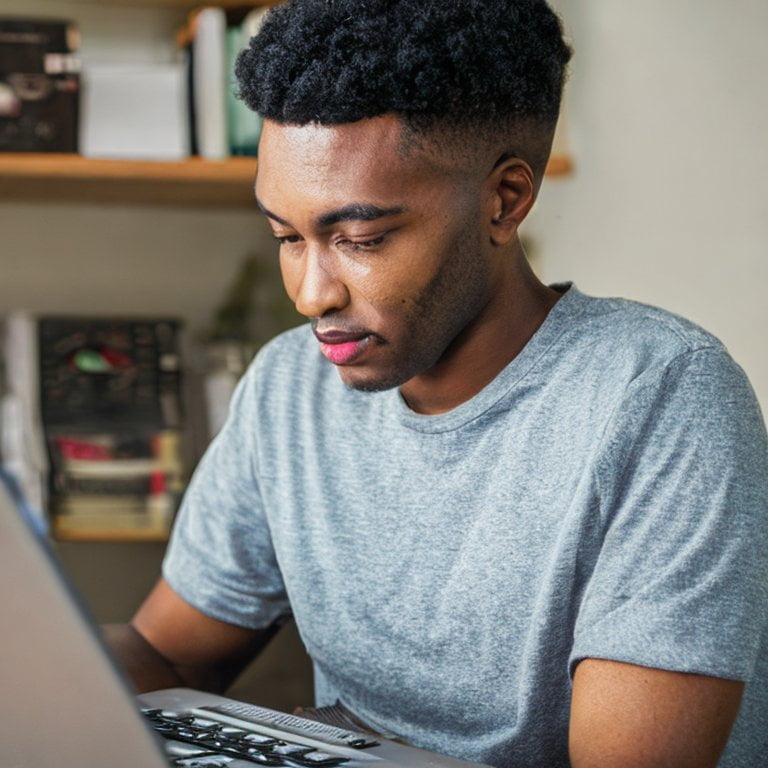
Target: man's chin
[367, 381]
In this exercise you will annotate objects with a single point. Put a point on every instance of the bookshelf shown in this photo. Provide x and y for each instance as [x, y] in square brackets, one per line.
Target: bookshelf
[51, 178]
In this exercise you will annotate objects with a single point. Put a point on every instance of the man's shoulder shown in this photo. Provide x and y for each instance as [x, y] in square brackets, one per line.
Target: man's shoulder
[622, 343]
[635, 324]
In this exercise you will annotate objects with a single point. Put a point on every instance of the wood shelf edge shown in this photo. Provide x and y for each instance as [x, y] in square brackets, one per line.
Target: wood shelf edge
[53, 177]
[176, 3]
[73, 178]
[65, 166]
[30, 165]
[107, 535]
[559, 165]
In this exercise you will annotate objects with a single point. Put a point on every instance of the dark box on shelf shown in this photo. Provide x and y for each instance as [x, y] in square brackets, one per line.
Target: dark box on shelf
[110, 373]
[39, 85]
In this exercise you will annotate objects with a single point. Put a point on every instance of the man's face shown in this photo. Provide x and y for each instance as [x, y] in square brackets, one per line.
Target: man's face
[382, 251]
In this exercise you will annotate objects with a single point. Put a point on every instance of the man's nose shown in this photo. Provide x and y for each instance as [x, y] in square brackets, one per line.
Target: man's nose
[320, 289]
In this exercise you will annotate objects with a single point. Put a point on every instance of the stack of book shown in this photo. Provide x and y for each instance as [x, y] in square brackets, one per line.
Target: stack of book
[110, 396]
[221, 125]
[115, 484]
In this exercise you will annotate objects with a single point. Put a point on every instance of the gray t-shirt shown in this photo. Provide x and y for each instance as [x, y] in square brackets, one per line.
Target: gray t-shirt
[605, 496]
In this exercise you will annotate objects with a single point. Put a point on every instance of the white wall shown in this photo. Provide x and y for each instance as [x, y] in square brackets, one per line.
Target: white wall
[84, 259]
[668, 113]
[110, 32]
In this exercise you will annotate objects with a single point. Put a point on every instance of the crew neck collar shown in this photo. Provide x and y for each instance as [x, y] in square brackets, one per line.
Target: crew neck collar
[568, 306]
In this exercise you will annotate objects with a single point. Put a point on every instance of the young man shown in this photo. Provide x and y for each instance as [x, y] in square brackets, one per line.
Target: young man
[513, 523]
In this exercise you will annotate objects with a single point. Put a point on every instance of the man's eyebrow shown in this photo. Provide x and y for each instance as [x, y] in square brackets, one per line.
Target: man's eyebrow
[351, 212]
[357, 212]
[271, 215]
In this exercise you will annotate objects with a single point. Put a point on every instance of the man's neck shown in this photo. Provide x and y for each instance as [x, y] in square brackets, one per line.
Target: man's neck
[485, 348]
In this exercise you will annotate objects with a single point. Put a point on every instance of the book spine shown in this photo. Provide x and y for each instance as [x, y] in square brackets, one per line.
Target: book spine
[209, 57]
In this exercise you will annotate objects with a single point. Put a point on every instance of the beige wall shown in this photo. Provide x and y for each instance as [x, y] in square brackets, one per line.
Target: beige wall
[112, 33]
[668, 111]
[118, 259]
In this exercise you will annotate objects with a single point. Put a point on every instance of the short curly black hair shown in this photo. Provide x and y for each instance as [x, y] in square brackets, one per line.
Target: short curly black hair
[458, 62]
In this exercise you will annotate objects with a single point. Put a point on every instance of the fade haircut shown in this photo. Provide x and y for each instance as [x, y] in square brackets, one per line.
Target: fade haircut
[484, 66]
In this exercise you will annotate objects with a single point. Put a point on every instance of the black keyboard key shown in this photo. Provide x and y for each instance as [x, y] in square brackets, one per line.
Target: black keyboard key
[193, 741]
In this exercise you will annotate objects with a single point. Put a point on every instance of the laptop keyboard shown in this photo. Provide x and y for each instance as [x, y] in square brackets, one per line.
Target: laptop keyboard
[192, 740]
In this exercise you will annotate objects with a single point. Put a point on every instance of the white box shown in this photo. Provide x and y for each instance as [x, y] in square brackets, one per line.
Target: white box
[134, 112]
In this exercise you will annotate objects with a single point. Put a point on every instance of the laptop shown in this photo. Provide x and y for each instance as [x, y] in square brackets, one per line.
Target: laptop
[65, 703]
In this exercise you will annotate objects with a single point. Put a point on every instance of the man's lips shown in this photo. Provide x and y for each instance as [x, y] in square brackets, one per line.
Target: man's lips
[342, 347]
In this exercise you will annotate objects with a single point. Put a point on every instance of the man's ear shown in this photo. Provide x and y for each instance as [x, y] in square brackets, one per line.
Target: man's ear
[513, 192]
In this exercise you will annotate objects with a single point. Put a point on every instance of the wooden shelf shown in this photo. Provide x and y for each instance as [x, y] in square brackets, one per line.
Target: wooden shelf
[60, 177]
[559, 165]
[177, 3]
[109, 536]
[63, 532]
[193, 182]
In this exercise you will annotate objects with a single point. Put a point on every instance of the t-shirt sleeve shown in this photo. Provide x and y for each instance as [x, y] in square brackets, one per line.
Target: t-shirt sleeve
[681, 581]
[220, 558]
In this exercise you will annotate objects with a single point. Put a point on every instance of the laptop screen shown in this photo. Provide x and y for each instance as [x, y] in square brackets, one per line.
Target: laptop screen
[62, 700]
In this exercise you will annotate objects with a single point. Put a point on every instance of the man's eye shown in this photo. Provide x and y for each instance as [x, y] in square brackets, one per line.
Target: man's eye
[363, 245]
[282, 239]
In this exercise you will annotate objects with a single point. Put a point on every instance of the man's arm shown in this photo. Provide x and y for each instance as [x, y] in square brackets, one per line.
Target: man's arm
[170, 644]
[627, 716]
